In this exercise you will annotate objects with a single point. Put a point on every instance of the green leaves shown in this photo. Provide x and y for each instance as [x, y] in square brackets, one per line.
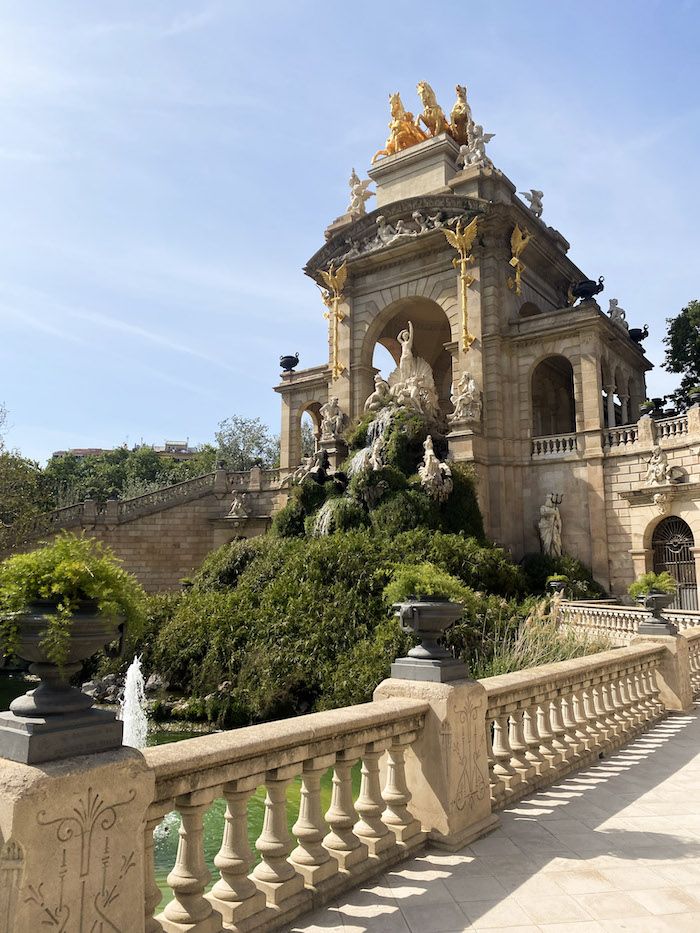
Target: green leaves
[683, 350]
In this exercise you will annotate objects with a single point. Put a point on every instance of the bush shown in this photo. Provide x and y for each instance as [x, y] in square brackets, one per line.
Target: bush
[653, 583]
[538, 567]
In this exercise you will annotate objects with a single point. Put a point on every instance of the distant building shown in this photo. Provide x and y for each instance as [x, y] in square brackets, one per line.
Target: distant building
[170, 450]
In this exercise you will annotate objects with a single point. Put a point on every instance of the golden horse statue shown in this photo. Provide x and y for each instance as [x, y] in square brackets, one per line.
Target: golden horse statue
[403, 130]
[460, 117]
[433, 116]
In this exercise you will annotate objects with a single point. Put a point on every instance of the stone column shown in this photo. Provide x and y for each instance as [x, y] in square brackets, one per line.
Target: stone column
[624, 405]
[73, 835]
[610, 390]
[447, 766]
[646, 430]
[673, 675]
[642, 559]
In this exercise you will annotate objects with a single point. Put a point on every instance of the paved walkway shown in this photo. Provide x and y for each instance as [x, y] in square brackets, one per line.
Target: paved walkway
[612, 848]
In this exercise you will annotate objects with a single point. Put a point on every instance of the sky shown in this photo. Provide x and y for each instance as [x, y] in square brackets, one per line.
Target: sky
[168, 167]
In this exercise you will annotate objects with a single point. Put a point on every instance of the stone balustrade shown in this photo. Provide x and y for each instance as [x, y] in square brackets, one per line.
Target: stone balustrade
[320, 857]
[672, 427]
[550, 720]
[619, 437]
[556, 445]
[693, 638]
[619, 623]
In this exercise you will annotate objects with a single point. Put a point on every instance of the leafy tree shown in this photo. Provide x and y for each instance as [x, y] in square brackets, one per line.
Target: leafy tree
[683, 351]
[308, 441]
[245, 442]
[23, 493]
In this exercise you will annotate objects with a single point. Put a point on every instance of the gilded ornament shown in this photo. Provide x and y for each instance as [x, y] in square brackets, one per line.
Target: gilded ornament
[460, 117]
[332, 297]
[433, 117]
[462, 239]
[403, 131]
[570, 295]
[518, 241]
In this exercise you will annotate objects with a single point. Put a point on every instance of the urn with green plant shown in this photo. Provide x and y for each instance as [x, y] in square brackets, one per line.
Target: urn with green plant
[656, 592]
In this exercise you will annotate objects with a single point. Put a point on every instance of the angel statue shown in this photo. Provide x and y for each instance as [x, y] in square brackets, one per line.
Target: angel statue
[617, 314]
[435, 477]
[535, 200]
[477, 146]
[358, 195]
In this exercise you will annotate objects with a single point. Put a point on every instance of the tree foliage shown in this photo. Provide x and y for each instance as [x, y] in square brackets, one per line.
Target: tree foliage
[247, 442]
[683, 351]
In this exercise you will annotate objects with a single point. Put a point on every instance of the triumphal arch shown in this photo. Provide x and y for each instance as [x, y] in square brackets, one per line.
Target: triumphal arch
[538, 387]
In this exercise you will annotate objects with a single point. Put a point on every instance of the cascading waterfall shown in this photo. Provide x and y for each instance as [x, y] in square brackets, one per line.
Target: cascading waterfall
[132, 708]
[324, 517]
[375, 429]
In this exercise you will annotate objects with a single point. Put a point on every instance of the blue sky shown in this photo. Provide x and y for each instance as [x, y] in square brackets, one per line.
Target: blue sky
[167, 168]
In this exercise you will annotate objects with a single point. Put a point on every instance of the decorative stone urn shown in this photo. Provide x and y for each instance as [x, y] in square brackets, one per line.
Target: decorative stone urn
[586, 289]
[288, 362]
[56, 720]
[557, 586]
[428, 617]
[656, 624]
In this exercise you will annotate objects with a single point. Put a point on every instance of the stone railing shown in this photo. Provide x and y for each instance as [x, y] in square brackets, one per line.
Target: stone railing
[672, 427]
[163, 498]
[545, 722]
[619, 437]
[557, 445]
[290, 878]
[693, 638]
[619, 623]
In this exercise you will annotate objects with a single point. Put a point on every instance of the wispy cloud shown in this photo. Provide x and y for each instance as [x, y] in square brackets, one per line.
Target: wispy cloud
[187, 21]
[31, 322]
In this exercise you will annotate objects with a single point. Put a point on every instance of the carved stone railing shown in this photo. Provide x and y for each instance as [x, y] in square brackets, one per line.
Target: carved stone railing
[556, 445]
[620, 437]
[672, 427]
[323, 855]
[619, 623]
[693, 638]
[163, 498]
[548, 721]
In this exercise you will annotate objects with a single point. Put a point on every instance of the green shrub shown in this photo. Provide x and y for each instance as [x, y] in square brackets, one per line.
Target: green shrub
[289, 521]
[653, 583]
[416, 580]
[400, 512]
[538, 567]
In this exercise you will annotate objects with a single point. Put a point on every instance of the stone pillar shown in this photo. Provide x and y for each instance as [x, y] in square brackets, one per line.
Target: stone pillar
[73, 843]
[221, 479]
[673, 675]
[624, 406]
[610, 390]
[642, 560]
[693, 415]
[337, 451]
[447, 766]
[646, 430]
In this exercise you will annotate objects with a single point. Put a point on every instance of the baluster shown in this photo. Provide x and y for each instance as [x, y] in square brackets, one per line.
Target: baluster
[496, 782]
[370, 829]
[585, 718]
[341, 841]
[519, 747]
[152, 892]
[551, 756]
[622, 704]
[644, 691]
[310, 858]
[235, 895]
[503, 768]
[533, 741]
[571, 736]
[627, 704]
[611, 700]
[636, 708]
[275, 876]
[189, 910]
[559, 743]
[595, 724]
[396, 794]
[655, 692]
[604, 727]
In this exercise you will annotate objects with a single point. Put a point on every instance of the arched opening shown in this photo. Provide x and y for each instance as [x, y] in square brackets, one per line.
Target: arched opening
[672, 544]
[309, 429]
[529, 309]
[431, 330]
[553, 408]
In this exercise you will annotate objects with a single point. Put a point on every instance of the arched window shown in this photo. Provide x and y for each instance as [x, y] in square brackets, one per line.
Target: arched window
[672, 544]
[553, 409]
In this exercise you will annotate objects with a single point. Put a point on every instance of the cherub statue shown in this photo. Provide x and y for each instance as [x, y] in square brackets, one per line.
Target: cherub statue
[535, 199]
[617, 314]
[466, 400]
[380, 395]
[477, 145]
[460, 117]
[433, 117]
[403, 129]
[333, 420]
[402, 230]
[464, 156]
[358, 195]
[422, 222]
[435, 477]
[658, 469]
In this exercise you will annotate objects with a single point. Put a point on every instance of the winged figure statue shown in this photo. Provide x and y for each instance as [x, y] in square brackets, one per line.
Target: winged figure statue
[518, 241]
[535, 199]
[462, 238]
[358, 195]
[335, 280]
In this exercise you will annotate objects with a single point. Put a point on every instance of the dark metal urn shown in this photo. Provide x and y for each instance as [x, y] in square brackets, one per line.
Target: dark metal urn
[289, 362]
[428, 618]
[637, 334]
[587, 289]
[656, 624]
[56, 720]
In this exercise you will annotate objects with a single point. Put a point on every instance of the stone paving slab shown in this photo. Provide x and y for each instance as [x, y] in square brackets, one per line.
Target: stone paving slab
[610, 849]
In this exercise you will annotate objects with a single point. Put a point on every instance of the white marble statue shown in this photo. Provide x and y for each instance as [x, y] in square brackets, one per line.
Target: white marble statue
[435, 477]
[358, 195]
[422, 221]
[463, 157]
[375, 454]
[535, 200]
[659, 471]
[333, 420]
[386, 232]
[411, 383]
[477, 146]
[466, 400]
[617, 314]
[662, 501]
[549, 527]
[381, 393]
[239, 508]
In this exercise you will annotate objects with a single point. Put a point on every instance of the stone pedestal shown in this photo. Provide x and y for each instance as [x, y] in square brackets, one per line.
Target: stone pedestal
[673, 676]
[420, 169]
[73, 843]
[447, 766]
[337, 451]
[33, 739]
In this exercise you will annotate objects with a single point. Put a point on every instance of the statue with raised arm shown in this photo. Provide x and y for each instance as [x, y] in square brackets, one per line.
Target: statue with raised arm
[411, 384]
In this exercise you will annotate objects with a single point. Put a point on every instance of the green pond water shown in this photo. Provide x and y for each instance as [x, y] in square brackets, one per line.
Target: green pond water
[166, 835]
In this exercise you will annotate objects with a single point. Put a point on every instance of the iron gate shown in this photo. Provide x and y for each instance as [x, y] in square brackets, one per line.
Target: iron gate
[673, 544]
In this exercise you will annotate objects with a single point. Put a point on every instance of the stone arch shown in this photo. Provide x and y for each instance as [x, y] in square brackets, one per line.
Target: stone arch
[313, 409]
[432, 330]
[552, 396]
[672, 548]
[529, 309]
